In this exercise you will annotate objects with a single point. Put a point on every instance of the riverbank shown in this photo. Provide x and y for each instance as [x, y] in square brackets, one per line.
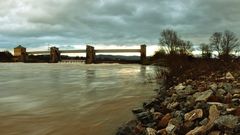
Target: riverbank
[193, 103]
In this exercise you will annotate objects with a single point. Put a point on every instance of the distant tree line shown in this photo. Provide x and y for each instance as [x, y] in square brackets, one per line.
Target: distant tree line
[5, 56]
[226, 44]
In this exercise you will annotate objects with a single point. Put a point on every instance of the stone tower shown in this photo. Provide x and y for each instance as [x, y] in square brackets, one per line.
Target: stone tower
[20, 53]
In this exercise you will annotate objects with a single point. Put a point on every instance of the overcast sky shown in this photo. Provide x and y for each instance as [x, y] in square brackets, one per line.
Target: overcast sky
[69, 23]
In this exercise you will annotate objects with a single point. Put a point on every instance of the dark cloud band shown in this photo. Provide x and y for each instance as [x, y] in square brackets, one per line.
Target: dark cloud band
[112, 21]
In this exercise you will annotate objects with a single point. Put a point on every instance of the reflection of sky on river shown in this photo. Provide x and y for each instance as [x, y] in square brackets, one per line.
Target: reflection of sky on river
[47, 90]
[90, 82]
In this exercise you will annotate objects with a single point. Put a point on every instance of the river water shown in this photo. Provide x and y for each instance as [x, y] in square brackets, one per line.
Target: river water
[70, 99]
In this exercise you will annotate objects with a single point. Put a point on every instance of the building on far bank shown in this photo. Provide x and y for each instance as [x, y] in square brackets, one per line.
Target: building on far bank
[20, 54]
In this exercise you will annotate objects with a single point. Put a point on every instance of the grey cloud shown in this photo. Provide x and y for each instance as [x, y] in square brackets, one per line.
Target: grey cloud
[112, 21]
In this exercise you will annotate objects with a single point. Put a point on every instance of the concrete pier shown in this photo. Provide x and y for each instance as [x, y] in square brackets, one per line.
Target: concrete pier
[90, 55]
[143, 54]
[55, 55]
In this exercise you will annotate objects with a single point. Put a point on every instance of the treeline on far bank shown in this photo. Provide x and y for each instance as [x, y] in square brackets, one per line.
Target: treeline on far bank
[6, 56]
[217, 57]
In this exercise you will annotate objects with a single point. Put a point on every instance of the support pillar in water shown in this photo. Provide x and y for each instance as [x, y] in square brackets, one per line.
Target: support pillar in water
[90, 55]
[55, 55]
[143, 54]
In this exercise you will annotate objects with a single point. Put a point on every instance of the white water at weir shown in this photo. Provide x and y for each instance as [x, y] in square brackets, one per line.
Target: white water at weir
[70, 99]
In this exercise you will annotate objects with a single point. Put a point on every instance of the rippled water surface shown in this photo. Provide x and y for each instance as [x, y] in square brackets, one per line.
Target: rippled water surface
[70, 99]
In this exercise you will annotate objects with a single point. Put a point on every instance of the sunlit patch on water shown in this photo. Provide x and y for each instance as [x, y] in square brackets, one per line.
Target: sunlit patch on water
[17, 104]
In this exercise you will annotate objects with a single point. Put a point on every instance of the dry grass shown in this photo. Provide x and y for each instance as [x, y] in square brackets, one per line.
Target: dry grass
[185, 67]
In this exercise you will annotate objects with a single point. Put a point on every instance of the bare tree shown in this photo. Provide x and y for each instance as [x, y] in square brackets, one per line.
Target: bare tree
[224, 43]
[216, 41]
[229, 43]
[185, 47]
[206, 50]
[169, 40]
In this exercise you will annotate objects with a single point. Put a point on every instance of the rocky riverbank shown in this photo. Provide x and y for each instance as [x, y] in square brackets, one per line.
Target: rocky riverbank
[209, 105]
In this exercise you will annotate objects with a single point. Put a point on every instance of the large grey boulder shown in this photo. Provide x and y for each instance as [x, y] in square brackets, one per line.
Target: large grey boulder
[202, 96]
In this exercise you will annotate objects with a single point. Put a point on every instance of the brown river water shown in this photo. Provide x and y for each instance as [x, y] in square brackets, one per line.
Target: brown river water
[71, 99]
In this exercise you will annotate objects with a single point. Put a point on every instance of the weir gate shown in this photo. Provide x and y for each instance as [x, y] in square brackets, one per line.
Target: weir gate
[55, 53]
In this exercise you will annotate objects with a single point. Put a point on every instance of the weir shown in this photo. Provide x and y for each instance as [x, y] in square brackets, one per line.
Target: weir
[55, 53]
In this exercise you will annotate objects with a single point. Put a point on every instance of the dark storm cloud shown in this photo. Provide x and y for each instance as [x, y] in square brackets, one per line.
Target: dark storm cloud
[120, 22]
